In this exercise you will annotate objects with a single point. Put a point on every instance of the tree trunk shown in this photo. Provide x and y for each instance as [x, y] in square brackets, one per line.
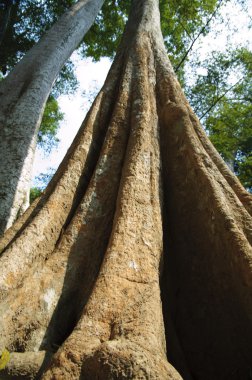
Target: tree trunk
[23, 95]
[137, 259]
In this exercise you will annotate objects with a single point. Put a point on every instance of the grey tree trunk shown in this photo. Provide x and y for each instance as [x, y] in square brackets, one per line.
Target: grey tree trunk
[136, 263]
[23, 95]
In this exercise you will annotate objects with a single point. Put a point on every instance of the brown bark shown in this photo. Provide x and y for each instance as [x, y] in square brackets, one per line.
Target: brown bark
[137, 259]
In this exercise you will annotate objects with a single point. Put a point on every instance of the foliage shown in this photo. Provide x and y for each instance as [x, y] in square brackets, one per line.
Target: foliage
[222, 103]
[180, 23]
[41, 182]
[222, 99]
[30, 19]
[35, 192]
[231, 132]
[28, 22]
[49, 126]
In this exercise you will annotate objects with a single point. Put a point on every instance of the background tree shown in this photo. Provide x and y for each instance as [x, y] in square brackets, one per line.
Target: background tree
[109, 264]
[23, 95]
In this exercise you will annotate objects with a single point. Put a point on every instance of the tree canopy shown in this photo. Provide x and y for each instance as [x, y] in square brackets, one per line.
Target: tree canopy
[30, 19]
[181, 25]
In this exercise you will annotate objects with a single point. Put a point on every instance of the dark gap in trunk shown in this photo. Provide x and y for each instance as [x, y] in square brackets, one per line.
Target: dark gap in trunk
[76, 291]
[169, 292]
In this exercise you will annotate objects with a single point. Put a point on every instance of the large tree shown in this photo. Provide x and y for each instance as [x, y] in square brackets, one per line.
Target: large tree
[137, 259]
[29, 20]
[23, 95]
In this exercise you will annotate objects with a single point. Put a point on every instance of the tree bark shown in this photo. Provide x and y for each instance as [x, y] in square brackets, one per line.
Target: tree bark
[136, 262]
[23, 95]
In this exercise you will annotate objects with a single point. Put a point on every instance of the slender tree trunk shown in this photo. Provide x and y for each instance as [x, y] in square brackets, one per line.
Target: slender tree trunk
[23, 95]
[137, 259]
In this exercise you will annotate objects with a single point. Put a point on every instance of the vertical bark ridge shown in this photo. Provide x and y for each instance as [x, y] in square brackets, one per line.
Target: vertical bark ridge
[123, 316]
[209, 241]
[78, 254]
[71, 179]
[212, 247]
[95, 213]
[61, 198]
[10, 234]
[171, 91]
[232, 180]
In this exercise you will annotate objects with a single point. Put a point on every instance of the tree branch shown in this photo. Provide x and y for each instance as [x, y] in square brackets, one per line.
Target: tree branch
[195, 39]
[218, 99]
[183, 26]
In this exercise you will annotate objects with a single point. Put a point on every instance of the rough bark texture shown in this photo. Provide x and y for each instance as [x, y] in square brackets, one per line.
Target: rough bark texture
[23, 95]
[137, 259]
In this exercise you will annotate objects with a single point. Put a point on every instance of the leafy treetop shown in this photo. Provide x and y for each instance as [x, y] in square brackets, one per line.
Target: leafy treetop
[30, 19]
